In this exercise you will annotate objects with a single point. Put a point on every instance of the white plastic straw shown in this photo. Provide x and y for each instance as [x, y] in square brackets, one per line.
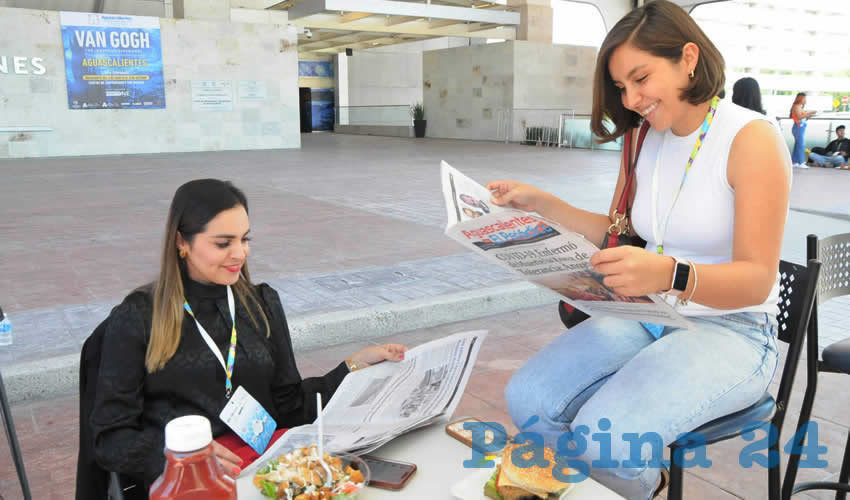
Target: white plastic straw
[328, 478]
[321, 427]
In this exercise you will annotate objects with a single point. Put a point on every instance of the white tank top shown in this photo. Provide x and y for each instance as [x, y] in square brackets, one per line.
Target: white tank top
[701, 227]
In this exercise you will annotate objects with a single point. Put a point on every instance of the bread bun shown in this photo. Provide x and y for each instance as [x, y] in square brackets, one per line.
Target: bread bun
[536, 480]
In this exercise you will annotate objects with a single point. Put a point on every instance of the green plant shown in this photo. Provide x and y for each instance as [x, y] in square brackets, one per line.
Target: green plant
[418, 111]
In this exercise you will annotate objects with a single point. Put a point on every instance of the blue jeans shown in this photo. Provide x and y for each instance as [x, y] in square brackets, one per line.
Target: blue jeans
[606, 368]
[827, 161]
[798, 155]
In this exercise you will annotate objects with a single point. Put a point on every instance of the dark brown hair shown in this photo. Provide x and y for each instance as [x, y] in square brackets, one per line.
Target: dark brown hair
[661, 28]
[193, 206]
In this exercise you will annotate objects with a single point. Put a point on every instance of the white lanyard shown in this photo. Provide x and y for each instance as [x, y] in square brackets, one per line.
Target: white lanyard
[214, 348]
[659, 239]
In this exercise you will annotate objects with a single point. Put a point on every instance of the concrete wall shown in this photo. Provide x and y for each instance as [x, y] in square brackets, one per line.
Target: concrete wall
[191, 50]
[464, 89]
[127, 7]
[468, 89]
[391, 75]
[553, 76]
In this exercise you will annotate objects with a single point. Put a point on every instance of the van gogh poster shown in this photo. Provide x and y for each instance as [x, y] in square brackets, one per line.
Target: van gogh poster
[112, 61]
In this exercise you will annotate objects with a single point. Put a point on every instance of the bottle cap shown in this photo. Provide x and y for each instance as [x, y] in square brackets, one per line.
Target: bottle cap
[188, 433]
[1, 314]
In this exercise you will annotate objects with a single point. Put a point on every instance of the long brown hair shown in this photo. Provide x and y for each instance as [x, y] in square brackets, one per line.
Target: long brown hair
[661, 28]
[797, 100]
[193, 206]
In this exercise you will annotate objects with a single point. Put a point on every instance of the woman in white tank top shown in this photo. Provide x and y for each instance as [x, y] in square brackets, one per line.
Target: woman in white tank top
[714, 229]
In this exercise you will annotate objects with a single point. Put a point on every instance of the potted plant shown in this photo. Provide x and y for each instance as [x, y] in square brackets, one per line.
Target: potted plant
[418, 112]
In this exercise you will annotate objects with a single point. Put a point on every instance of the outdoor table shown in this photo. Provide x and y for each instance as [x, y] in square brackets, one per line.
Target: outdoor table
[439, 467]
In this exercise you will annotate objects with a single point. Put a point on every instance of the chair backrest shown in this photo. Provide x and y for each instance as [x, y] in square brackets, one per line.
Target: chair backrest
[834, 254]
[92, 481]
[797, 287]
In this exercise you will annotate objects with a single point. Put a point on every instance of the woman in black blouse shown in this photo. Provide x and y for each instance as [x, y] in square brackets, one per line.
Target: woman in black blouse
[156, 364]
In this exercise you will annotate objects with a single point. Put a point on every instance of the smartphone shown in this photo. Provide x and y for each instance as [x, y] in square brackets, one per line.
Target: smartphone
[388, 474]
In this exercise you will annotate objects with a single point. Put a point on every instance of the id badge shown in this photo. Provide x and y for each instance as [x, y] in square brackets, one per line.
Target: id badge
[249, 420]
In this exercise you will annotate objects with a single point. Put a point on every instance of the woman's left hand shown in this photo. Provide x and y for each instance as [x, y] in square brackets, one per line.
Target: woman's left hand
[376, 354]
[633, 271]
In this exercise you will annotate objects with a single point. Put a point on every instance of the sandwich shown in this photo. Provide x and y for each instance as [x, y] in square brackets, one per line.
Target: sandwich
[510, 482]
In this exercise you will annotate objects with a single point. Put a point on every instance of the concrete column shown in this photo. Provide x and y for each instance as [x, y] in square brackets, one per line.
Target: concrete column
[206, 10]
[535, 20]
[613, 10]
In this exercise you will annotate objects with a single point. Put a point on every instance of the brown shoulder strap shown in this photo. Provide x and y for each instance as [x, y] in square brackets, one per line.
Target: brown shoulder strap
[630, 162]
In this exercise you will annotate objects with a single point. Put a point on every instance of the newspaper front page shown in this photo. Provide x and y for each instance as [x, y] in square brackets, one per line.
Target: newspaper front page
[378, 403]
[541, 251]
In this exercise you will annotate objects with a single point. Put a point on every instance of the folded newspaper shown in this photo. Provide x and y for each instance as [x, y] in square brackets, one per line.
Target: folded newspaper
[378, 403]
[541, 251]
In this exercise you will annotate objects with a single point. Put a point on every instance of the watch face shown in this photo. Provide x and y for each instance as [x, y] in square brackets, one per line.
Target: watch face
[680, 282]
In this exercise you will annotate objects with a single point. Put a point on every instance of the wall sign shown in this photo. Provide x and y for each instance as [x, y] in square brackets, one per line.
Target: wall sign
[252, 90]
[212, 95]
[112, 61]
[22, 65]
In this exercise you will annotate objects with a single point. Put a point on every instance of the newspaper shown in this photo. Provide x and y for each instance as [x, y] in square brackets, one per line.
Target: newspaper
[378, 403]
[541, 251]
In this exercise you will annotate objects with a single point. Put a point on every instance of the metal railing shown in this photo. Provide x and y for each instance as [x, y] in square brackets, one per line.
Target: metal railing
[820, 130]
[392, 115]
[550, 127]
[577, 130]
[541, 127]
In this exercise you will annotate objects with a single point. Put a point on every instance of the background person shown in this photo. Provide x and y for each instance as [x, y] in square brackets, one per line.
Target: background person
[726, 229]
[156, 365]
[746, 93]
[800, 117]
[835, 153]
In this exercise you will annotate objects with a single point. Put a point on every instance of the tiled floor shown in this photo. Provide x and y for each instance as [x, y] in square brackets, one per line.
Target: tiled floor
[78, 233]
[48, 429]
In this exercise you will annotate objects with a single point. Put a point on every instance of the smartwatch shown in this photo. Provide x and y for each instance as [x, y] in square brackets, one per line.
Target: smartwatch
[681, 273]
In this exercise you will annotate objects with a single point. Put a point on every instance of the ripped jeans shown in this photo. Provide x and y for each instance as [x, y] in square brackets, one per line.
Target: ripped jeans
[607, 368]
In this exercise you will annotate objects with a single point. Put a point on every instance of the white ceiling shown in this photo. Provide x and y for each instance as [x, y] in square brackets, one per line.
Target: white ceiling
[358, 24]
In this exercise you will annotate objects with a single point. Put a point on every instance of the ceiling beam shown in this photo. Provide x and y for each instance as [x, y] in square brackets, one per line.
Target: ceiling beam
[359, 38]
[306, 8]
[328, 42]
[394, 20]
[481, 27]
[354, 16]
[285, 4]
[442, 23]
[417, 27]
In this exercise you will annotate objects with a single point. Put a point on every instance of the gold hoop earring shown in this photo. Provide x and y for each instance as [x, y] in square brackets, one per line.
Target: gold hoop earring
[182, 253]
[691, 74]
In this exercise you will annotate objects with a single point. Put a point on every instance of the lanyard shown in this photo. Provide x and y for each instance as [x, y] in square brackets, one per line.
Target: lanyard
[658, 233]
[231, 353]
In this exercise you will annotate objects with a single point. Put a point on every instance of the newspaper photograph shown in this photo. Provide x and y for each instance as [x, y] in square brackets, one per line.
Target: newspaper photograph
[382, 401]
[541, 251]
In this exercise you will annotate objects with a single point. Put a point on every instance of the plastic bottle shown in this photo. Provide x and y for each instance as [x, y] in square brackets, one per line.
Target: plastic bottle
[5, 329]
[191, 470]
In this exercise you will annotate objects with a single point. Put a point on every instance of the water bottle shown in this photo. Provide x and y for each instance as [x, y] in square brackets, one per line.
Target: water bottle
[5, 329]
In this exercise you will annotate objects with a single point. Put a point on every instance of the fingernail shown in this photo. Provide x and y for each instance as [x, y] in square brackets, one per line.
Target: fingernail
[236, 471]
[401, 356]
[241, 462]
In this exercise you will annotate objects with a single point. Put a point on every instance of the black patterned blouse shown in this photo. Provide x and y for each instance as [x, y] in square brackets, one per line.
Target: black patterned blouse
[132, 406]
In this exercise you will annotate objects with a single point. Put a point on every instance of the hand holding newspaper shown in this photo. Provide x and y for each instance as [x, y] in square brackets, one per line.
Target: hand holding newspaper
[540, 251]
[378, 403]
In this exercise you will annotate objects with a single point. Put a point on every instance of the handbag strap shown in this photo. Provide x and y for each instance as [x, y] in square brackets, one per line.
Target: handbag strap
[623, 206]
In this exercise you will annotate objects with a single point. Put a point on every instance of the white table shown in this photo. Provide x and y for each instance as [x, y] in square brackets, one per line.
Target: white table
[439, 465]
